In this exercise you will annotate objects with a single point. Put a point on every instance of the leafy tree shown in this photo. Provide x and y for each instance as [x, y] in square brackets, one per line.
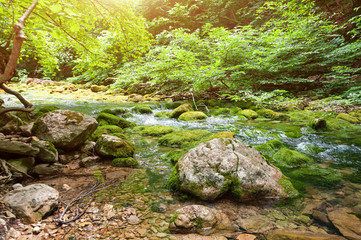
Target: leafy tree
[96, 35]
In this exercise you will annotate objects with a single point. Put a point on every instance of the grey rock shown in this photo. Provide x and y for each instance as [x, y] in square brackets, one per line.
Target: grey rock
[26, 129]
[200, 219]
[17, 147]
[32, 202]
[46, 169]
[64, 128]
[88, 147]
[47, 151]
[88, 161]
[223, 165]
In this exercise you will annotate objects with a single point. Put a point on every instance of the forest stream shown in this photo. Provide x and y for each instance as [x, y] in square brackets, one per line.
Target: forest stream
[143, 189]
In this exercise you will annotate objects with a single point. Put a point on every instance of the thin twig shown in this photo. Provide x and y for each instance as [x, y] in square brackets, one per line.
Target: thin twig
[11, 166]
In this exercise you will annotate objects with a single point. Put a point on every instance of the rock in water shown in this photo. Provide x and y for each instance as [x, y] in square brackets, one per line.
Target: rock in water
[32, 202]
[348, 224]
[226, 165]
[64, 128]
[199, 219]
[114, 147]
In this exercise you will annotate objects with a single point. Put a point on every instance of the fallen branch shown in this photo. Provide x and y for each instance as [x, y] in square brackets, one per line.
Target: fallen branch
[28, 106]
[81, 196]
[6, 170]
[14, 168]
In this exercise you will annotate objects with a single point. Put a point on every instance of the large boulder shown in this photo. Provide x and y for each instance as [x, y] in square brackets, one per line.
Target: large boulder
[64, 128]
[227, 165]
[32, 202]
[180, 110]
[199, 219]
[114, 147]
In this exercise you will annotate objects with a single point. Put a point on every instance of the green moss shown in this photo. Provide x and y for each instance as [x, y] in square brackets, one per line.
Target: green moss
[114, 147]
[316, 176]
[222, 135]
[232, 186]
[125, 162]
[289, 159]
[181, 109]
[198, 223]
[142, 109]
[193, 116]
[340, 124]
[173, 183]
[183, 138]
[173, 156]
[155, 131]
[174, 217]
[111, 119]
[44, 110]
[107, 129]
[51, 147]
[115, 111]
[162, 114]
[313, 149]
[249, 114]
[354, 177]
[270, 148]
[348, 118]
[288, 187]
[221, 111]
[268, 113]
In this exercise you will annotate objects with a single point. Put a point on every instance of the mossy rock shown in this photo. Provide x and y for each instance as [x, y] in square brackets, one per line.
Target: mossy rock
[288, 187]
[180, 110]
[270, 114]
[193, 116]
[162, 114]
[249, 114]
[142, 109]
[114, 147]
[222, 135]
[45, 110]
[110, 119]
[314, 149]
[221, 111]
[316, 176]
[115, 111]
[241, 117]
[173, 183]
[290, 159]
[348, 118]
[173, 156]
[183, 138]
[125, 162]
[269, 149]
[107, 129]
[340, 124]
[156, 130]
[318, 124]
[235, 110]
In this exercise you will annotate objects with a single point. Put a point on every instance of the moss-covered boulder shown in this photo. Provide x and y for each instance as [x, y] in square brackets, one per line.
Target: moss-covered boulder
[142, 109]
[291, 159]
[125, 162]
[162, 114]
[227, 166]
[110, 119]
[108, 130]
[348, 118]
[114, 147]
[249, 114]
[98, 88]
[64, 128]
[318, 124]
[183, 138]
[316, 176]
[270, 148]
[221, 135]
[156, 130]
[268, 113]
[115, 111]
[193, 116]
[180, 110]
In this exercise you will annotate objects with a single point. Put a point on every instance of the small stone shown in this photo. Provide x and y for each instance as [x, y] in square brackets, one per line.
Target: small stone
[66, 187]
[36, 230]
[133, 220]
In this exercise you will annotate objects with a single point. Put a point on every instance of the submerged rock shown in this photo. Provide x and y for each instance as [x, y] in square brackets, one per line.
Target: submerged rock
[199, 219]
[32, 202]
[346, 222]
[64, 128]
[288, 159]
[226, 165]
[193, 116]
[114, 147]
[282, 234]
[180, 110]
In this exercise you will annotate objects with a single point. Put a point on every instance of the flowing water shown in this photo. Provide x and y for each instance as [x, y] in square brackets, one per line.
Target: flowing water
[342, 149]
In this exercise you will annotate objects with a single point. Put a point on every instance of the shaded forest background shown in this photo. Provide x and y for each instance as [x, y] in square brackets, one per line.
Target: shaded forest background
[229, 48]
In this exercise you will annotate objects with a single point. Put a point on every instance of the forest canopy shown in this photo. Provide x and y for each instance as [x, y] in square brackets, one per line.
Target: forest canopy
[224, 45]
